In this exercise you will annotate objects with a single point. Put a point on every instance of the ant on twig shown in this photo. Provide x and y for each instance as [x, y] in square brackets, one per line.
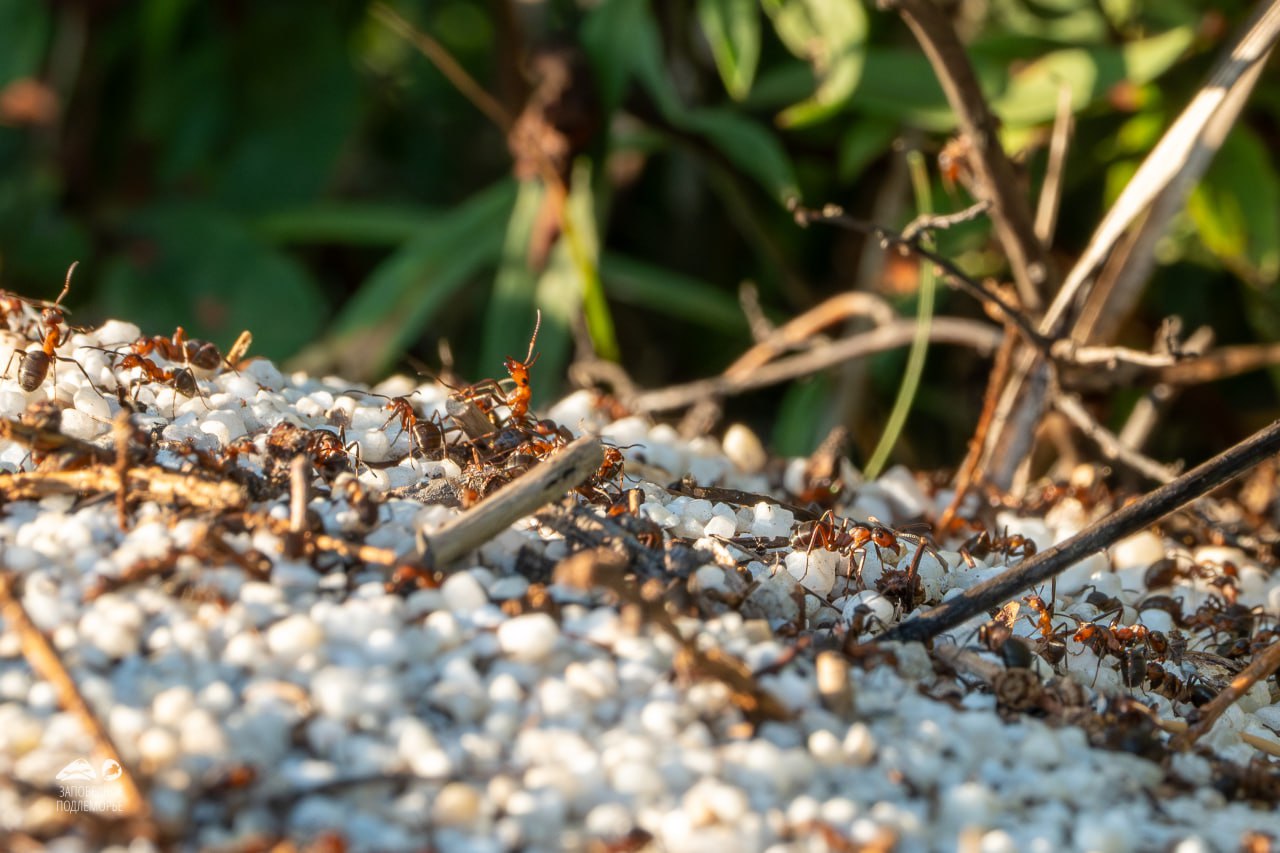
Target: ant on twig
[34, 364]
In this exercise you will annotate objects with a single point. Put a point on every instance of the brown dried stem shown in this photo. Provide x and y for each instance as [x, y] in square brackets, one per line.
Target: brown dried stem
[995, 178]
[899, 333]
[550, 481]
[47, 665]
[1123, 522]
[1259, 669]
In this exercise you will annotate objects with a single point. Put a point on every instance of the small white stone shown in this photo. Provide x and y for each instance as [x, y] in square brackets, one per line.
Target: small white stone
[720, 526]
[707, 579]
[529, 637]
[744, 449]
[293, 637]
[815, 570]
[463, 593]
[457, 804]
[158, 748]
[81, 425]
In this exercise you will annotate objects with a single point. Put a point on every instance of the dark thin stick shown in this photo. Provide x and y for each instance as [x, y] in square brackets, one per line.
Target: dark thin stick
[942, 221]
[1119, 524]
[834, 215]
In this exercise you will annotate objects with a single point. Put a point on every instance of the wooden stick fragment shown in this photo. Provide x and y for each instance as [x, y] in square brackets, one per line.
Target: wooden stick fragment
[566, 470]
[1259, 669]
[48, 665]
[1127, 520]
[145, 482]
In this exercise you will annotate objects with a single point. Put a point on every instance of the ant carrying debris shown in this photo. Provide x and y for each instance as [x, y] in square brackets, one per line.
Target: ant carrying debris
[34, 364]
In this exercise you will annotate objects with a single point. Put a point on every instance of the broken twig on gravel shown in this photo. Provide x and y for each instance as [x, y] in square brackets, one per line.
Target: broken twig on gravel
[1123, 522]
[548, 482]
[1259, 669]
[48, 665]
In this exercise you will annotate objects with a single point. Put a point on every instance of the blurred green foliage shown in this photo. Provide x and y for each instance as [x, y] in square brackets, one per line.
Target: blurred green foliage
[302, 171]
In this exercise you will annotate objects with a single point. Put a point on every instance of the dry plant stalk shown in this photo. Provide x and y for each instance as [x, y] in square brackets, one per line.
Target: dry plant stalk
[1123, 522]
[145, 482]
[1259, 669]
[47, 665]
[566, 470]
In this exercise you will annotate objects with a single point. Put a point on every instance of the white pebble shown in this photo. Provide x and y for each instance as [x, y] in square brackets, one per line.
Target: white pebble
[744, 449]
[815, 570]
[463, 593]
[81, 425]
[293, 637]
[529, 637]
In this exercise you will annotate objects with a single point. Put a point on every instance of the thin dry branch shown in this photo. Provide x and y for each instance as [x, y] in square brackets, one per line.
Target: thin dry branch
[1111, 446]
[948, 330]
[1181, 156]
[995, 178]
[550, 481]
[1259, 669]
[802, 328]
[1051, 190]
[832, 214]
[47, 665]
[145, 482]
[1123, 522]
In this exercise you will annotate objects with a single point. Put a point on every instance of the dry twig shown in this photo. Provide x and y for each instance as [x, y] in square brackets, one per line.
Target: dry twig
[567, 469]
[1127, 520]
[48, 665]
[1259, 669]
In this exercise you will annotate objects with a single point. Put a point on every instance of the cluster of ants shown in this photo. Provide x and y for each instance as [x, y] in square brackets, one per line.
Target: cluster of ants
[487, 430]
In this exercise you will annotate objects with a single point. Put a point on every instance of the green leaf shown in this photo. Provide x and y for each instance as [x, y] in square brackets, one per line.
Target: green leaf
[607, 36]
[656, 289]
[409, 288]
[796, 430]
[24, 33]
[1236, 208]
[866, 139]
[732, 28]
[831, 36]
[347, 223]
[750, 147]
[197, 266]
[1032, 93]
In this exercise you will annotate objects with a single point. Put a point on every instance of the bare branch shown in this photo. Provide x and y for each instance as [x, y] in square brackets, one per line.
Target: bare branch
[947, 330]
[1259, 669]
[802, 328]
[1122, 522]
[1051, 190]
[996, 180]
[1111, 447]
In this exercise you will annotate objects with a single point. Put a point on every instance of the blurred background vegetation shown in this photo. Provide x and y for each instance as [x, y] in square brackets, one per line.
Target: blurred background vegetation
[305, 171]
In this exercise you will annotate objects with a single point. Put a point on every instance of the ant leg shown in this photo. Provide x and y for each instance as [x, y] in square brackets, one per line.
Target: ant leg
[92, 384]
[19, 354]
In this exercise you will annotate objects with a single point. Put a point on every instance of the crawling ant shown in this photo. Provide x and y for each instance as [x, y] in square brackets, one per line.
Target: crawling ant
[425, 434]
[519, 398]
[488, 394]
[181, 349]
[34, 364]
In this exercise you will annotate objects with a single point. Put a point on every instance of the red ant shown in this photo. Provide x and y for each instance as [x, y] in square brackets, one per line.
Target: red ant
[34, 364]
[518, 400]
[488, 393]
[181, 349]
[425, 434]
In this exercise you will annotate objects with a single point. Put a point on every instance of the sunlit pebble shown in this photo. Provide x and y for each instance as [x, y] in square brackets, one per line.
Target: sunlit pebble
[815, 570]
[744, 449]
[78, 424]
[529, 637]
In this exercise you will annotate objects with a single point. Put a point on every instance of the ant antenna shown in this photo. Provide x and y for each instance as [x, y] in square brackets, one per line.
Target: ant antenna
[67, 284]
[537, 323]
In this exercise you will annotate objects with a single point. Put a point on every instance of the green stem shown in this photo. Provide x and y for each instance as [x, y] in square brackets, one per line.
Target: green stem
[920, 345]
[594, 306]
